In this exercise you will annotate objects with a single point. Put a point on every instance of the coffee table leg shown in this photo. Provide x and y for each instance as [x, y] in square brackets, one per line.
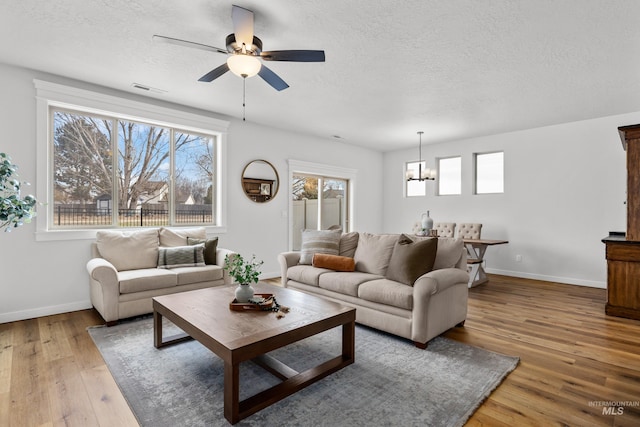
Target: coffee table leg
[157, 329]
[232, 392]
[348, 341]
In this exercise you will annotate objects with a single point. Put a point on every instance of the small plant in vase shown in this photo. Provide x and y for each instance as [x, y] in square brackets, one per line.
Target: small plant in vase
[244, 272]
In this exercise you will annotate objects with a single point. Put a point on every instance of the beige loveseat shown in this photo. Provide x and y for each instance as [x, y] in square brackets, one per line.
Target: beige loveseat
[418, 310]
[128, 268]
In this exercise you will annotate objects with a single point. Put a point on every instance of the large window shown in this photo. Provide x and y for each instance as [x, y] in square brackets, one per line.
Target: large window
[450, 176]
[489, 173]
[138, 166]
[109, 171]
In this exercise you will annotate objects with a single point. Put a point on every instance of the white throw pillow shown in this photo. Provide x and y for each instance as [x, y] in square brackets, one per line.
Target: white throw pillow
[178, 236]
[374, 252]
[129, 250]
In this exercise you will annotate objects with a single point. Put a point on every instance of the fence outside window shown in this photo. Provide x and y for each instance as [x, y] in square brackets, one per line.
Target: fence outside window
[89, 215]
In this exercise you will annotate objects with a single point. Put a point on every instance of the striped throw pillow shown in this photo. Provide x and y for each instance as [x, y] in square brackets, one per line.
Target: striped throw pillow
[319, 241]
[181, 256]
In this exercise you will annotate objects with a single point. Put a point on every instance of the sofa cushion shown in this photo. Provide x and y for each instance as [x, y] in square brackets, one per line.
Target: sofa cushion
[374, 252]
[129, 250]
[389, 292]
[178, 236]
[210, 247]
[306, 274]
[333, 262]
[345, 283]
[146, 279]
[181, 256]
[411, 259]
[348, 244]
[208, 273]
[319, 241]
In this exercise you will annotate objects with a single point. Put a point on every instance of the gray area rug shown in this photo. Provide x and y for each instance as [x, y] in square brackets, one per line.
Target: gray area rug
[391, 383]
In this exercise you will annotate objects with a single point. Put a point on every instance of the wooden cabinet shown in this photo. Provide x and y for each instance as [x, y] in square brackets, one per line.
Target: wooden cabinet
[258, 189]
[630, 136]
[623, 276]
[623, 249]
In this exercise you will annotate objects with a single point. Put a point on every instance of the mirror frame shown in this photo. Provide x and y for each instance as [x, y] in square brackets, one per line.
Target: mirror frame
[254, 196]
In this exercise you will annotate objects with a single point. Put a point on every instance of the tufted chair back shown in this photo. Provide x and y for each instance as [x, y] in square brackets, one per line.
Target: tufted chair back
[445, 229]
[417, 226]
[469, 231]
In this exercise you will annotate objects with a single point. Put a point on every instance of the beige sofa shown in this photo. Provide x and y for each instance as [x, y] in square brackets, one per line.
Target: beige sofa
[435, 302]
[128, 268]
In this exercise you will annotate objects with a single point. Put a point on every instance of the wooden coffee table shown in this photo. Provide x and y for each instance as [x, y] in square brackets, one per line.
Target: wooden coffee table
[237, 336]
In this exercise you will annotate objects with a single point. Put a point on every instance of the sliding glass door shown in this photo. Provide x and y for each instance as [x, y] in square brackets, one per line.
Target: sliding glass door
[319, 202]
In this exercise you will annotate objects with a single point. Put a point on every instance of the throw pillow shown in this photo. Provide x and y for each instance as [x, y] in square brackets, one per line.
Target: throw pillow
[210, 247]
[178, 236]
[348, 244]
[374, 252]
[319, 241]
[334, 262]
[181, 256]
[449, 252]
[411, 260]
[129, 250]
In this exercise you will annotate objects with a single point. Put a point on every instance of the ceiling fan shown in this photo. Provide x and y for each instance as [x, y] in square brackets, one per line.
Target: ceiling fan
[244, 49]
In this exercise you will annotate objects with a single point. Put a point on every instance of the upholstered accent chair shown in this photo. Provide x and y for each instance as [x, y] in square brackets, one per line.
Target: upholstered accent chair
[469, 230]
[445, 229]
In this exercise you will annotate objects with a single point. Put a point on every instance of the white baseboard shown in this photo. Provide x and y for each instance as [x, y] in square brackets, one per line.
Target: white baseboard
[567, 280]
[269, 275]
[44, 311]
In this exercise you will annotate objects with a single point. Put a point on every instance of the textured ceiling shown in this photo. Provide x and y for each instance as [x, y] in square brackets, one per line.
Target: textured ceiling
[453, 68]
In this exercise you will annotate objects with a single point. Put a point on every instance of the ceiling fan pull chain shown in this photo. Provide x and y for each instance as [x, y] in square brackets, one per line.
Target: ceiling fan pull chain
[244, 91]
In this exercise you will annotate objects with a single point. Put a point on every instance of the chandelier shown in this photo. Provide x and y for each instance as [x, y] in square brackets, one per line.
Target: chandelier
[423, 175]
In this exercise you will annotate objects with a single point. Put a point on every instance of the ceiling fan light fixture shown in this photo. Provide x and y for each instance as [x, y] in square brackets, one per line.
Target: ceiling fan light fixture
[244, 65]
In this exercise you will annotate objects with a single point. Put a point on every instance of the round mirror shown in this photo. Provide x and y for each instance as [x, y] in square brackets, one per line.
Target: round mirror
[260, 181]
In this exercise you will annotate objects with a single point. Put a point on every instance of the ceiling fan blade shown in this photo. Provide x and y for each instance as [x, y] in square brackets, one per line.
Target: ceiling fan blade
[242, 25]
[272, 78]
[215, 73]
[294, 55]
[179, 42]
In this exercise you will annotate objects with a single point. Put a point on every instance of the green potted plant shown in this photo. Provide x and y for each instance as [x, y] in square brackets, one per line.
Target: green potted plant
[244, 272]
[14, 210]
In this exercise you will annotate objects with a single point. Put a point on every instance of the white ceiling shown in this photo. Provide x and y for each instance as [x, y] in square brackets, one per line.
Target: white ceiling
[453, 68]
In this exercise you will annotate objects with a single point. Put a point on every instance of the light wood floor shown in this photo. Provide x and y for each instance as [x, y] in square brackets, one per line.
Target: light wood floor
[572, 355]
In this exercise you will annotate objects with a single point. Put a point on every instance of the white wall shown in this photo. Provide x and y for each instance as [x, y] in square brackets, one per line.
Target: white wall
[46, 277]
[564, 191]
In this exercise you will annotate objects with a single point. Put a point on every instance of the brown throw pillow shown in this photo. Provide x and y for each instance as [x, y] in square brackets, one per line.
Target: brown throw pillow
[210, 247]
[411, 260]
[334, 262]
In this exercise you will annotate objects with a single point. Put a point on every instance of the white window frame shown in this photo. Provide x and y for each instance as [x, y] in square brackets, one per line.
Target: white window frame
[440, 175]
[53, 94]
[475, 173]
